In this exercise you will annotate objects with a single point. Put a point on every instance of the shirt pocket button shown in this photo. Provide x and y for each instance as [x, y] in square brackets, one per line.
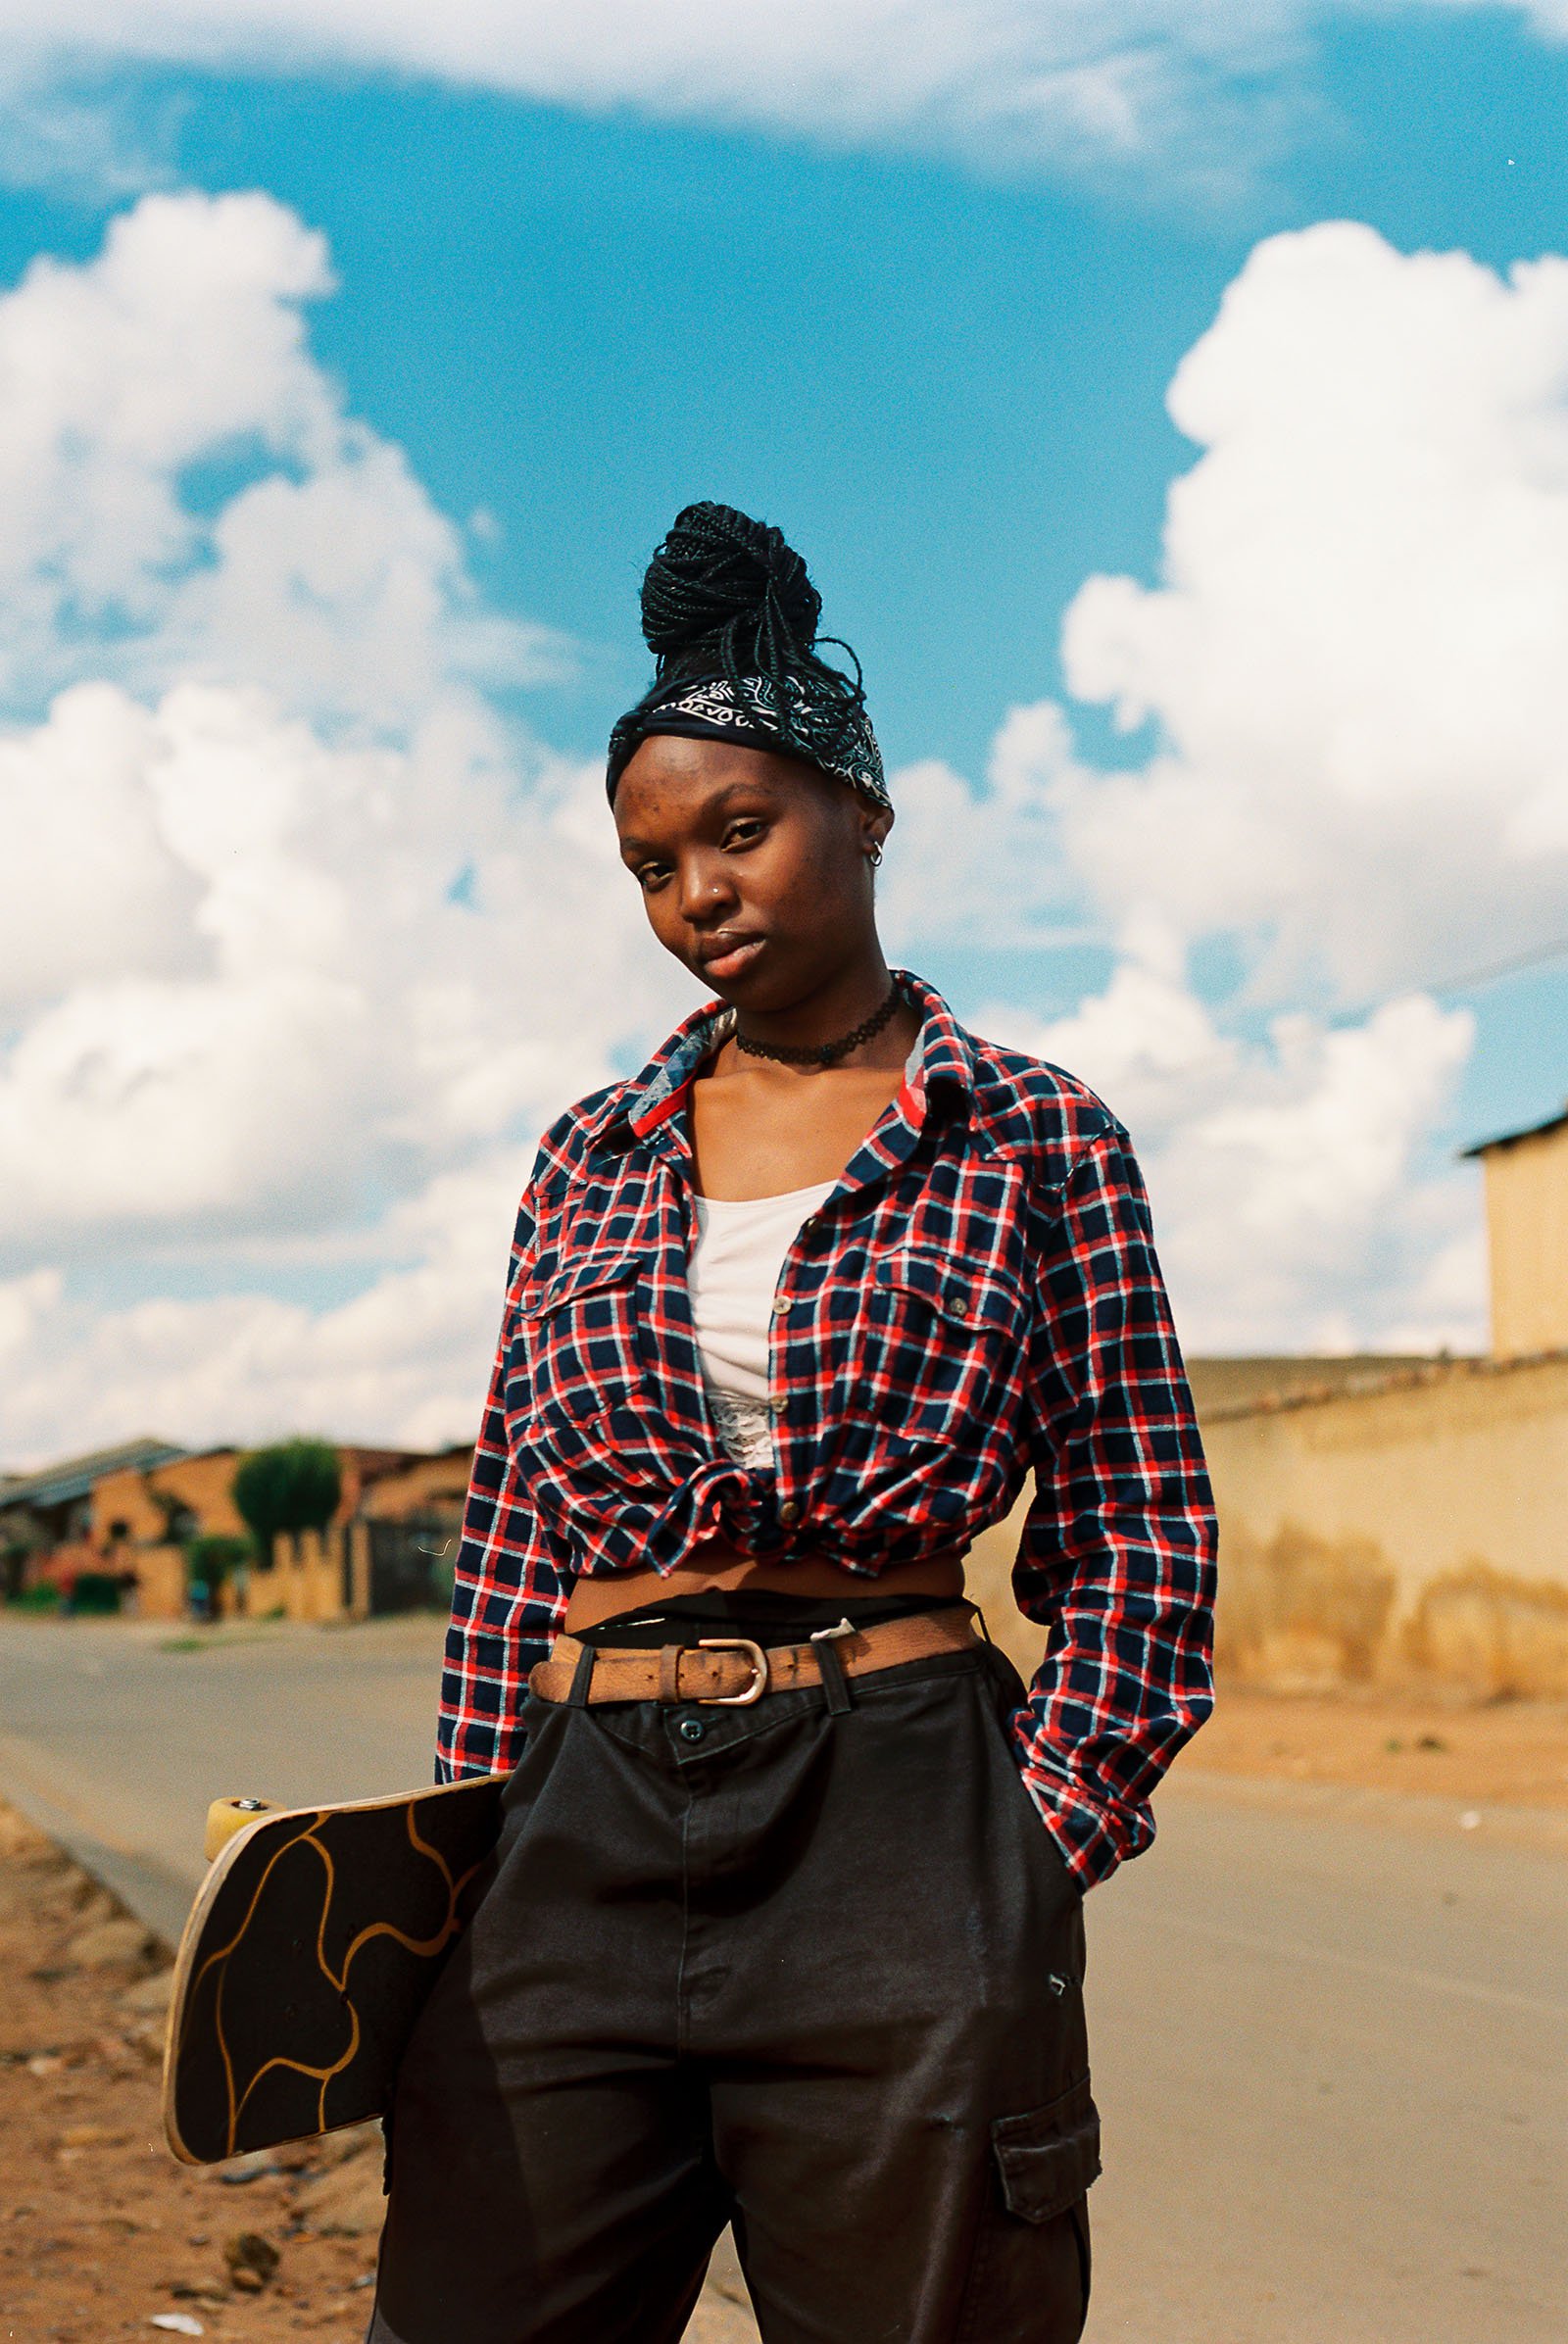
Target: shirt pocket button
[789, 1511]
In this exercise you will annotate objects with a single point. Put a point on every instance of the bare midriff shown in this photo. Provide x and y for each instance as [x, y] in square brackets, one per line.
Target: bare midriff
[716, 1564]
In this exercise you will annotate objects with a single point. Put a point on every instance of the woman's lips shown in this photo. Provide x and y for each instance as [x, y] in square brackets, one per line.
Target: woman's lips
[733, 960]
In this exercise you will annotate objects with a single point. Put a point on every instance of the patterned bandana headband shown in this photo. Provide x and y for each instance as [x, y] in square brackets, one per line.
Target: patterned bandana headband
[825, 729]
[730, 615]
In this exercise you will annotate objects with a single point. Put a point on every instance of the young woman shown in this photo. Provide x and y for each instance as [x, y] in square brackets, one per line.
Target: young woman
[785, 1924]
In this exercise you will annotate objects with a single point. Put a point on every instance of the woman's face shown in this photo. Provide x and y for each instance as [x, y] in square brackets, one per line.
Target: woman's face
[753, 867]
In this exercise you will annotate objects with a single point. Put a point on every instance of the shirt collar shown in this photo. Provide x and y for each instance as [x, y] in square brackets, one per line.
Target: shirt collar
[944, 1054]
[944, 1051]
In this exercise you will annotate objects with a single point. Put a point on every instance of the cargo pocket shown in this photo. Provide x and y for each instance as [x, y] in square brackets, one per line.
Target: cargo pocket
[1029, 2277]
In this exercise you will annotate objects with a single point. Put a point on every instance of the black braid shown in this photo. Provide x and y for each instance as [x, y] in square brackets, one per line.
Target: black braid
[728, 594]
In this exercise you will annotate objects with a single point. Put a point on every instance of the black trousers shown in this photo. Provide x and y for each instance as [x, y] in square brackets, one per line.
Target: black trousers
[811, 1967]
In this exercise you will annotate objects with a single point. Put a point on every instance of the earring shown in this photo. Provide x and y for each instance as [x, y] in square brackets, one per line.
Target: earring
[873, 856]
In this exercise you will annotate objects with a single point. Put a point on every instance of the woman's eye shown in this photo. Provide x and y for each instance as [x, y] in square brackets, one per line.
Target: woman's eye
[650, 875]
[744, 833]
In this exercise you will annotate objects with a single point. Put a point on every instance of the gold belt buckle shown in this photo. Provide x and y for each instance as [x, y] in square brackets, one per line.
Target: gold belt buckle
[758, 1660]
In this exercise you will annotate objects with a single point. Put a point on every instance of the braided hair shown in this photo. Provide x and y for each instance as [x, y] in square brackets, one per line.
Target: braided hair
[727, 600]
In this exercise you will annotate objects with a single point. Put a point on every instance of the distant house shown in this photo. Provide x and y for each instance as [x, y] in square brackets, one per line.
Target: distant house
[128, 1514]
[413, 1523]
[46, 1518]
[390, 1548]
[1527, 1237]
[168, 1502]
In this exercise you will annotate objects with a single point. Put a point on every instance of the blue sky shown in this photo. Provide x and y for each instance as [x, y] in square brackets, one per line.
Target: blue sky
[949, 385]
[945, 374]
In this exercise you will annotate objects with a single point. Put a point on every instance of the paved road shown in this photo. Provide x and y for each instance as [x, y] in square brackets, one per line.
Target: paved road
[1331, 2031]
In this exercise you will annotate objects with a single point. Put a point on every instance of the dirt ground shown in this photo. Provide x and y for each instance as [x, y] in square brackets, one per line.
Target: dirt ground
[103, 2236]
[1494, 1753]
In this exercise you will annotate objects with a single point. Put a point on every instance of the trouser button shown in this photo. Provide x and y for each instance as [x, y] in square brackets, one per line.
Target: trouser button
[692, 1729]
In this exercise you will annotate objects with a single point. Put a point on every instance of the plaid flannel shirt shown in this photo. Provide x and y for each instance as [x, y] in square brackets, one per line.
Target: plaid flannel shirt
[978, 1298]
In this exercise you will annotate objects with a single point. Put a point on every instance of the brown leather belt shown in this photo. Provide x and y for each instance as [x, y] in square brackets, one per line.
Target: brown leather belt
[729, 1672]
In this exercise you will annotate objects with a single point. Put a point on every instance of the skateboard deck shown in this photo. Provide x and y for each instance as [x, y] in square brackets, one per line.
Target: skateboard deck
[309, 1950]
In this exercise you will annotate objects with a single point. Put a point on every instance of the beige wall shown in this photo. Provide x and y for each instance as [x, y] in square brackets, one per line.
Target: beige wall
[1527, 1235]
[160, 1582]
[203, 1483]
[1411, 1534]
[304, 1582]
[988, 1581]
[363, 1469]
[438, 1481]
[305, 1578]
[1419, 1532]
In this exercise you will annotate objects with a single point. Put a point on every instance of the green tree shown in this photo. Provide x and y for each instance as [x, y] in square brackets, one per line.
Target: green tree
[292, 1486]
[212, 1559]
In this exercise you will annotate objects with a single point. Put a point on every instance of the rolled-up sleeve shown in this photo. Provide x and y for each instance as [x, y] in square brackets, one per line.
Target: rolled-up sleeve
[1117, 1557]
[513, 1577]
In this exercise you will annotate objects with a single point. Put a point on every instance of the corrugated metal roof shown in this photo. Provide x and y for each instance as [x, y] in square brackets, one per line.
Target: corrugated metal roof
[73, 1477]
[1506, 1139]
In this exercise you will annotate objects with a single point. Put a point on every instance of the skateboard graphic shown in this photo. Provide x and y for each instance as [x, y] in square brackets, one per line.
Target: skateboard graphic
[313, 1943]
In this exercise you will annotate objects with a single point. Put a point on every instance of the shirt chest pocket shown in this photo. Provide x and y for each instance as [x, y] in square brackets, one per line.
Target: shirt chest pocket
[941, 1332]
[586, 1337]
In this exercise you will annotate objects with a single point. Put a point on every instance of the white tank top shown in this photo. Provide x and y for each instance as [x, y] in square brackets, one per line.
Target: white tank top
[736, 1257]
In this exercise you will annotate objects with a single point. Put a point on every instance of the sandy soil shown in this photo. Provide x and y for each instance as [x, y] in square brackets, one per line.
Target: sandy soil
[101, 2234]
[1496, 1753]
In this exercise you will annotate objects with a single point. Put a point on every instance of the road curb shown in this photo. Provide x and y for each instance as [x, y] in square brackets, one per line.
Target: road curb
[158, 1898]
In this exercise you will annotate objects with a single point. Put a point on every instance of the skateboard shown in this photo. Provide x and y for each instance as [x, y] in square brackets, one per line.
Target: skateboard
[309, 1950]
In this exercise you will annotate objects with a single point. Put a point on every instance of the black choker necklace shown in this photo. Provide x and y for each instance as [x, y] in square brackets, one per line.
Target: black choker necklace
[824, 1054]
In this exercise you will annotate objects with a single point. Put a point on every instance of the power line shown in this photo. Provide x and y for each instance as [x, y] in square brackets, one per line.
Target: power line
[1536, 958]
[1505, 968]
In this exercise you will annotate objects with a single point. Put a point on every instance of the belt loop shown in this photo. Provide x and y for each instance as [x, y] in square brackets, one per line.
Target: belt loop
[581, 1678]
[835, 1684]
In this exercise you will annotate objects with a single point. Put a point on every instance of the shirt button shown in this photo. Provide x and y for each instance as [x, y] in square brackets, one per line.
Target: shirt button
[960, 1309]
[777, 1407]
[781, 1303]
[692, 1729]
[789, 1511]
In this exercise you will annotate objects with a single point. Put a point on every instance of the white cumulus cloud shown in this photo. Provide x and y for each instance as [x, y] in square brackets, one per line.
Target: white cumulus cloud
[1294, 1211]
[296, 929]
[1353, 774]
[403, 1361]
[1354, 662]
[1200, 91]
[329, 574]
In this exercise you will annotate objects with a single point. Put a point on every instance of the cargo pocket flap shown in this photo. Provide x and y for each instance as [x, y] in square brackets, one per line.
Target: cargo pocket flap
[1050, 2156]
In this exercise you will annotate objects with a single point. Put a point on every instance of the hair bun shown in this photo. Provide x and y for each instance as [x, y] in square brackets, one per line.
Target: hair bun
[722, 584]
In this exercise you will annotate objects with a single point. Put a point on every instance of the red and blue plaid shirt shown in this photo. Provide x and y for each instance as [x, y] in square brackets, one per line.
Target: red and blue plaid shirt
[977, 1300]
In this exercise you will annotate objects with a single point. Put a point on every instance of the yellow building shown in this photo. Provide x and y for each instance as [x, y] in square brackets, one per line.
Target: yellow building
[128, 1515]
[140, 1522]
[391, 1549]
[167, 1504]
[1527, 1237]
[1394, 1521]
[1412, 1524]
